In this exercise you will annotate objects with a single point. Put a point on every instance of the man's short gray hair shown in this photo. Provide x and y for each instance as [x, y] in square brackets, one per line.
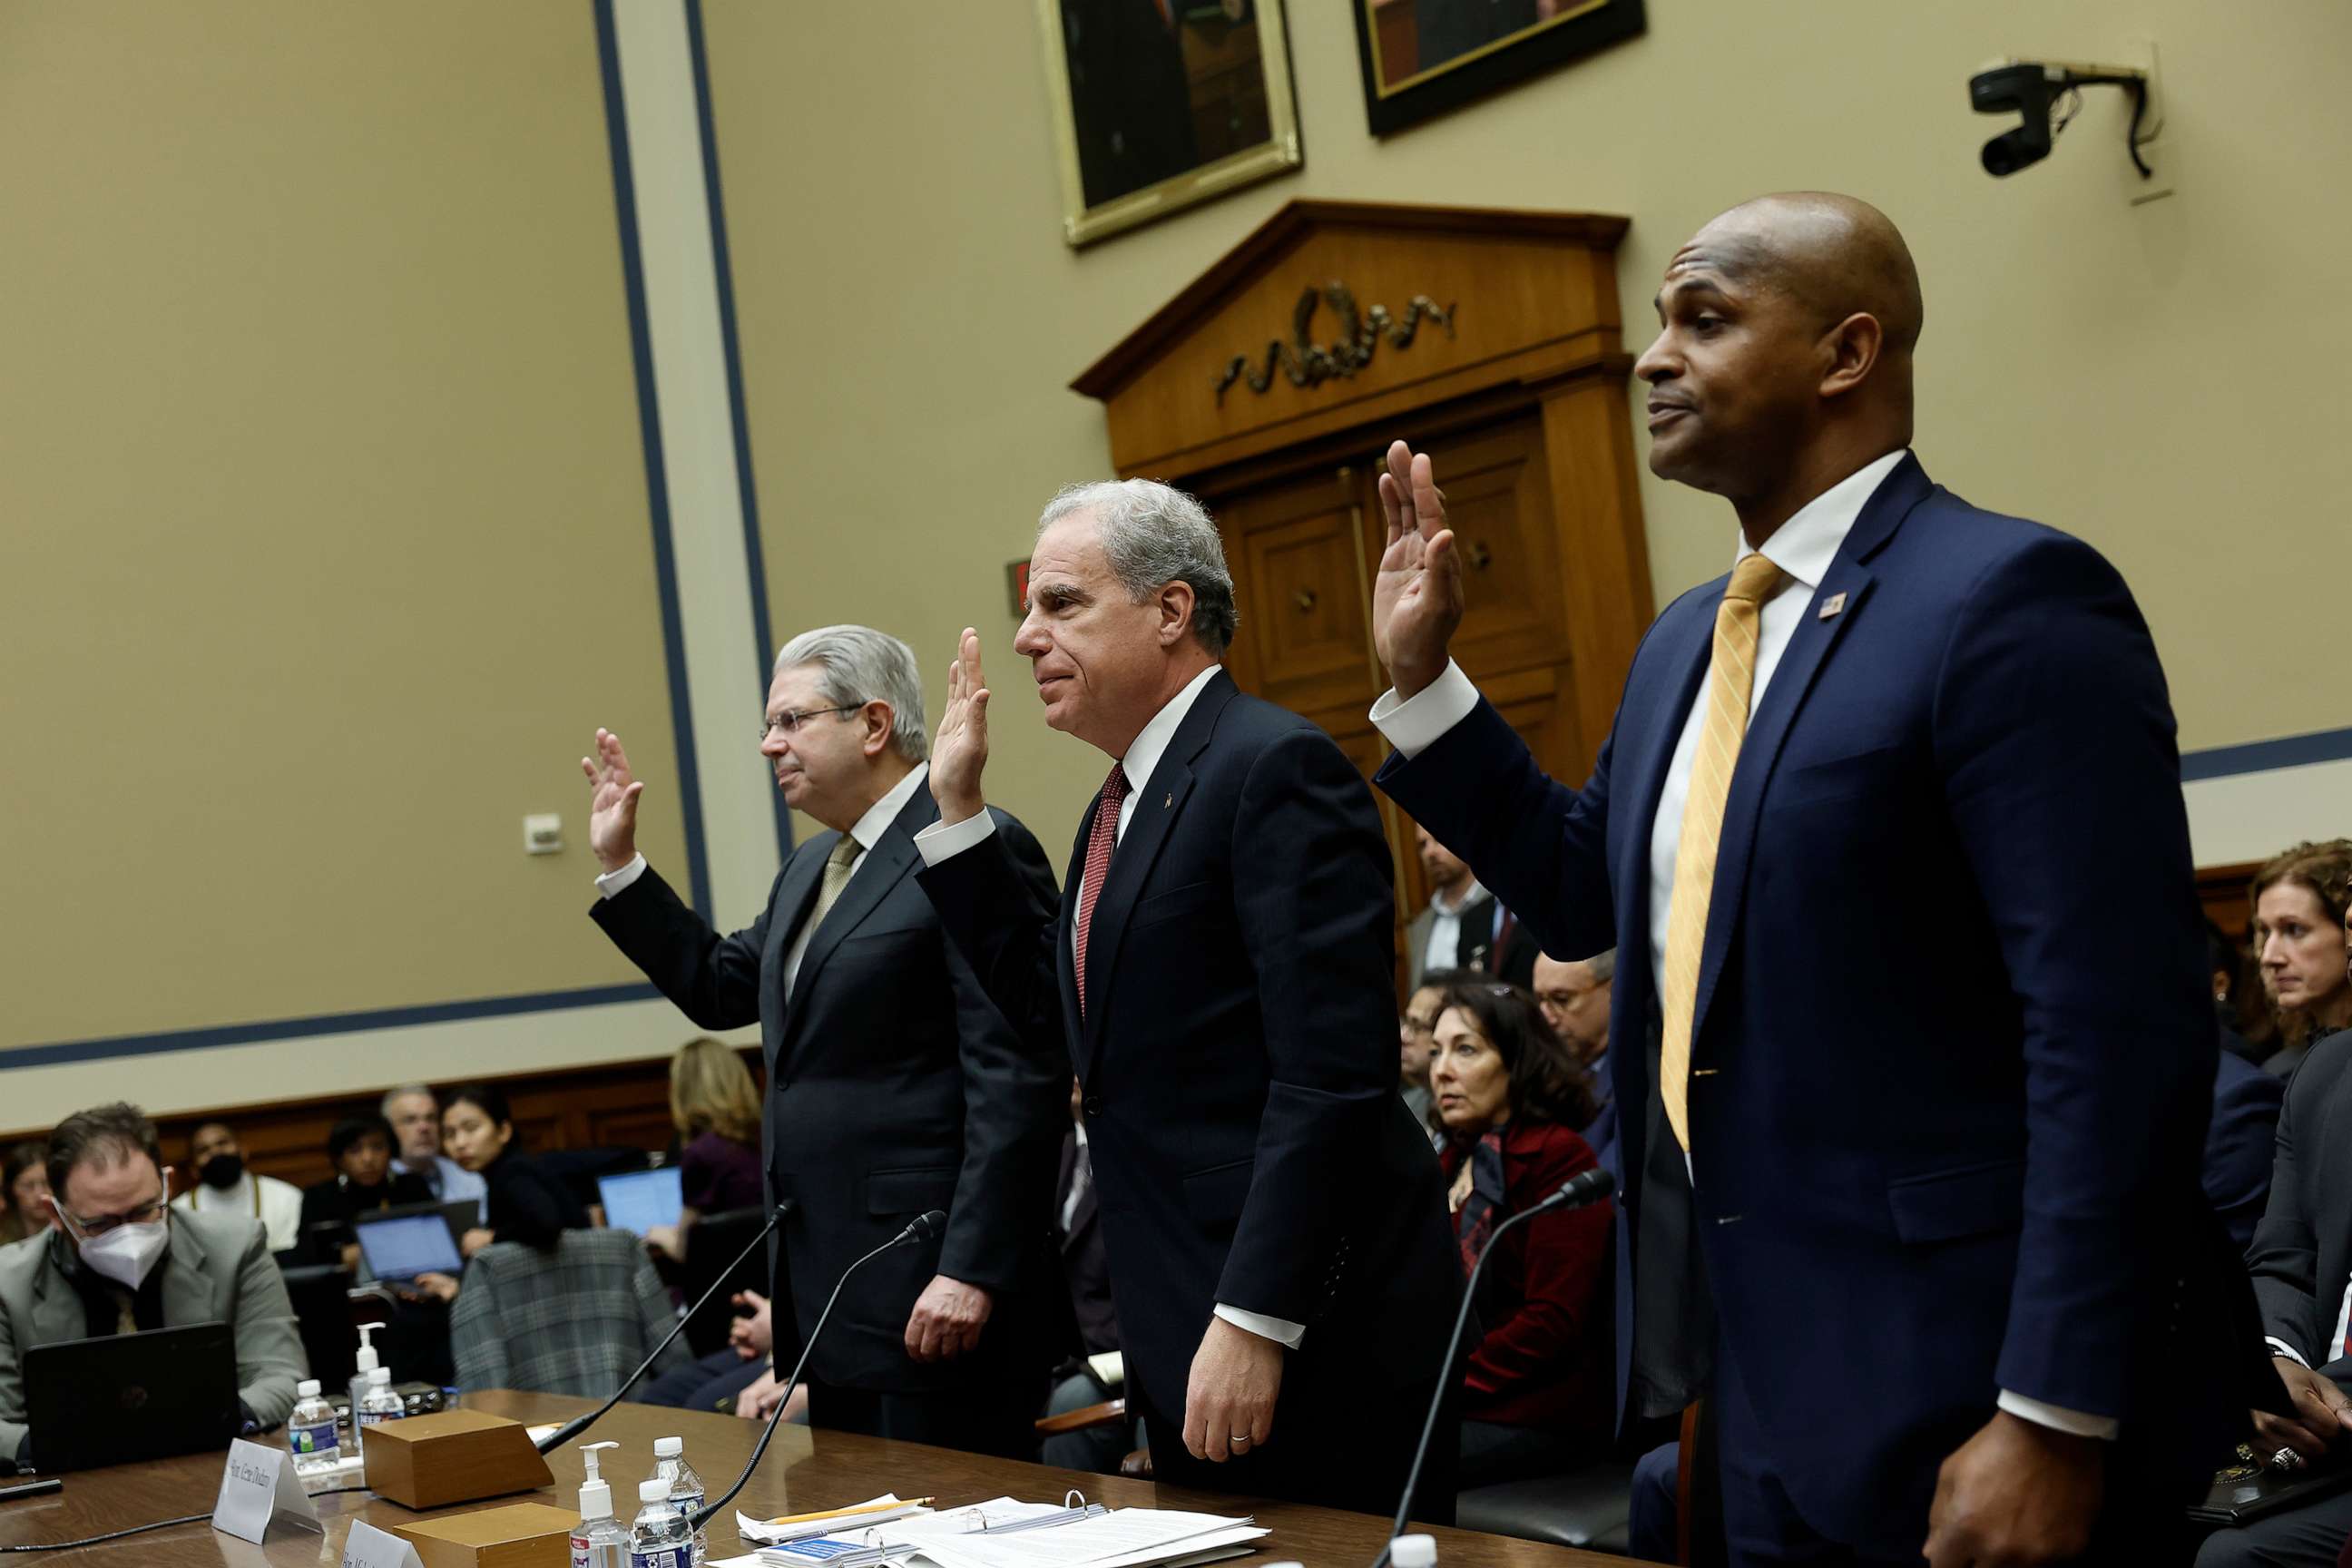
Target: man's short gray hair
[390, 1095]
[1155, 535]
[857, 665]
[1603, 966]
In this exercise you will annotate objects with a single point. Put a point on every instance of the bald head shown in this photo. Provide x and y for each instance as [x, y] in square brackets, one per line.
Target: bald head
[1837, 255]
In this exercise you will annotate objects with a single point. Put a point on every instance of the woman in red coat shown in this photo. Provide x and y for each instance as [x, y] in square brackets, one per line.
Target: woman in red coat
[1536, 1392]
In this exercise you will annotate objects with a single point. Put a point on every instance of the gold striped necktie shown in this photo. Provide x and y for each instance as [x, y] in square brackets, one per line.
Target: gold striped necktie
[837, 877]
[1730, 689]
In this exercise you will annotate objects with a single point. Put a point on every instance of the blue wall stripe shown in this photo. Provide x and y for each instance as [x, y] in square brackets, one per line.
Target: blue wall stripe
[2262, 756]
[324, 1024]
[624, 201]
[754, 556]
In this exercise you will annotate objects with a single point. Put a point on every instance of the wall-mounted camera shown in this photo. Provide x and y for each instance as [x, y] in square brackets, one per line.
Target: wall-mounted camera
[2048, 94]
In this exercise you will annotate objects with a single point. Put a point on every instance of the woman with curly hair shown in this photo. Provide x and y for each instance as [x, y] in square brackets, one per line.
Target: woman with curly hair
[2299, 903]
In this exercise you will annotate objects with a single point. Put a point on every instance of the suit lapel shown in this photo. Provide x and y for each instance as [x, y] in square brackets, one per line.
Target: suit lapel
[1158, 804]
[57, 1310]
[885, 865]
[1849, 580]
[794, 895]
[187, 1292]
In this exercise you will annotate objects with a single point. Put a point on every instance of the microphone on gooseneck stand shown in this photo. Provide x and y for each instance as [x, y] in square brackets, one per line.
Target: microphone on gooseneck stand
[579, 1424]
[1576, 1193]
[922, 1227]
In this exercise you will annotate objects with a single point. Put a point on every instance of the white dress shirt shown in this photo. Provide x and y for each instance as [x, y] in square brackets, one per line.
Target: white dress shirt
[277, 1204]
[1445, 928]
[1802, 548]
[867, 830]
[943, 839]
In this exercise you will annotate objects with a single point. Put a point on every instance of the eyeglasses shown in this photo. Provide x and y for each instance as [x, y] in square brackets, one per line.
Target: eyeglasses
[145, 1214]
[789, 725]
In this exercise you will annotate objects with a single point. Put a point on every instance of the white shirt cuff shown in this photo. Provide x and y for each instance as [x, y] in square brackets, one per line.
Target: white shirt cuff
[1281, 1330]
[943, 839]
[1413, 724]
[2059, 1418]
[2280, 1347]
[612, 884]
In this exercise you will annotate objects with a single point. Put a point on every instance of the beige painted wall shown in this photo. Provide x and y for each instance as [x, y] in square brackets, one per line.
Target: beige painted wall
[326, 540]
[2163, 381]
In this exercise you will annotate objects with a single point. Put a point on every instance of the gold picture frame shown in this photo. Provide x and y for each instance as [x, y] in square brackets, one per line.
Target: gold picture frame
[1231, 60]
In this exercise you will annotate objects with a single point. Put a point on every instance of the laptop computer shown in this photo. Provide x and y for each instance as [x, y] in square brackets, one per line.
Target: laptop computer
[639, 1200]
[396, 1246]
[124, 1398]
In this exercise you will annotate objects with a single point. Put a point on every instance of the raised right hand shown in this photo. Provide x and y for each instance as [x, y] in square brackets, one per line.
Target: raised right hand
[1417, 598]
[2322, 1414]
[959, 752]
[612, 794]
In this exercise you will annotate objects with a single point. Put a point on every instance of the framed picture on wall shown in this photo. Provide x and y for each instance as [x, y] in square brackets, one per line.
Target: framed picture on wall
[1422, 57]
[1159, 104]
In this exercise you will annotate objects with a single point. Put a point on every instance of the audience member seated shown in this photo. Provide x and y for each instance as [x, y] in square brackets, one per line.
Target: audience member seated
[2227, 962]
[25, 1193]
[524, 1204]
[359, 1148]
[416, 1118]
[1462, 926]
[223, 1185]
[2302, 1255]
[715, 1107]
[1537, 1391]
[2300, 901]
[713, 1382]
[121, 1261]
[1417, 1048]
[2240, 1142]
[1575, 1000]
[1091, 1327]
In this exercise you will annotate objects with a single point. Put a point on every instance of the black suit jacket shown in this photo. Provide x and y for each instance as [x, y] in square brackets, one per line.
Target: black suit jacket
[1238, 1055]
[2301, 1254]
[894, 1087]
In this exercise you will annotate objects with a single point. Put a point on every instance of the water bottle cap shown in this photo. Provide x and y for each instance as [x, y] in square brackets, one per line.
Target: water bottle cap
[653, 1489]
[667, 1447]
[1414, 1552]
[307, 1389]
[380, 1378]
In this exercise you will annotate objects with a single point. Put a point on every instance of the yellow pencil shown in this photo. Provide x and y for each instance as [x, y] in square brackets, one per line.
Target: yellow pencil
[861, 1508]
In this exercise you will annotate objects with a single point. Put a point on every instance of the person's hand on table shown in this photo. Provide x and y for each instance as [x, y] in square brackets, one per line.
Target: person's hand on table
[947, 1319]
[1229, 1398]
[2016, 1494]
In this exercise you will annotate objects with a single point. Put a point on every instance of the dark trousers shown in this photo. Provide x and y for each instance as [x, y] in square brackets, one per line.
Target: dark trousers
[1341, 1439]
[988, 1416]
[709, 1383]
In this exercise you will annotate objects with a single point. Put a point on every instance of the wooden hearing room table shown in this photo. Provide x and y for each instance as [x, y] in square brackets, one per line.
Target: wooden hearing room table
[805, 1471]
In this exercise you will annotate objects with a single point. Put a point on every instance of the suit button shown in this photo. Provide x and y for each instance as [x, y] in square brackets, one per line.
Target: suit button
[1094, 1105]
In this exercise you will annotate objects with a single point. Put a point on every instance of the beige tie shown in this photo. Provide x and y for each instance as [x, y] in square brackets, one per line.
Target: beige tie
[1730, 687]
[837, 877]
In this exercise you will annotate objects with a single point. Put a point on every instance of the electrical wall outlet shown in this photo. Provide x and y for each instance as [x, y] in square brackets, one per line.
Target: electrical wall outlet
[542, 834]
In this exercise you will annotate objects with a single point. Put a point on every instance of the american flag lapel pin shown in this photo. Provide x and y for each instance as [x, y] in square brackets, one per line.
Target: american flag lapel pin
[1831, 605]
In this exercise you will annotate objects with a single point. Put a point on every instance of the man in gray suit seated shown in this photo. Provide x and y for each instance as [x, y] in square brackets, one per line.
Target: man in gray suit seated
[120, 1261]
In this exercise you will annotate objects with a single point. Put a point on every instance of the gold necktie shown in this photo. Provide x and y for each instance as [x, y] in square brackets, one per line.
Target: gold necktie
[837, 877]
[1730, 687]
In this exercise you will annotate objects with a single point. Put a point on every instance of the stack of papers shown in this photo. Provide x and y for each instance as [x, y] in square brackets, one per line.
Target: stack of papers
[1003, 1533]
[841, 1521]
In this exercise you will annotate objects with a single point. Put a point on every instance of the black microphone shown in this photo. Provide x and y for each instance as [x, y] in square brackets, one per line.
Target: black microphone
[922, 1227]
[1577, 1192]
[573, 1428]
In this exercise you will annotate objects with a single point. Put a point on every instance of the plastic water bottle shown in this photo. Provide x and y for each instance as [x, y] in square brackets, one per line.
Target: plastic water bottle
[686, 1492]
[381, 1405]
[659, 1538]
[598, 1540]
[310, 1432]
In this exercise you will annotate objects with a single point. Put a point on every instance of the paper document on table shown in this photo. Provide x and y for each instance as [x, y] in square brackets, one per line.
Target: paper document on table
[1125, 1538]
[836, 1521]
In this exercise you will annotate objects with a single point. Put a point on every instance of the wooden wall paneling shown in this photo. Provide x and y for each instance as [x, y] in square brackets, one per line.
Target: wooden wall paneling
[1604, 554]
[1305, 602]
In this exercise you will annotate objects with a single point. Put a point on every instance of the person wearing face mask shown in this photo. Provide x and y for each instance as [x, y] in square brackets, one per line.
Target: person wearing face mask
[224, 1186]
[120, 1261]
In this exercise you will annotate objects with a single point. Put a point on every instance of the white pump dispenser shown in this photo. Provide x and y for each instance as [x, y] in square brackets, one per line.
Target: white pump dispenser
[598, 1540]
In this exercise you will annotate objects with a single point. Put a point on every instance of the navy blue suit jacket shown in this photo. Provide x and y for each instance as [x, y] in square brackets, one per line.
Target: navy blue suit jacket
[1950, 1012]
[2239, 1143]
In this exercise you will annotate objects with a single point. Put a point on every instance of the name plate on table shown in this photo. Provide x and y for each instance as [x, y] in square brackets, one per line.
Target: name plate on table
[368, 1547]
[259, 1486]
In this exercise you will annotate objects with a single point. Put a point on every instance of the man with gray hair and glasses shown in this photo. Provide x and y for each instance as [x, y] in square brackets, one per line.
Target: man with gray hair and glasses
[1221, 967]
[894, 1086]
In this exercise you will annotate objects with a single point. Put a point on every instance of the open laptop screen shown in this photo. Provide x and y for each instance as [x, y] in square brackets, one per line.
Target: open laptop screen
[404, 1246]
[642, 1199]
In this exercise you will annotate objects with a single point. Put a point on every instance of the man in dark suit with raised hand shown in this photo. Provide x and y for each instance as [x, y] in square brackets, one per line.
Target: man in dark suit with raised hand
[894, 1085]
[1911, 1121]
[1221, 966]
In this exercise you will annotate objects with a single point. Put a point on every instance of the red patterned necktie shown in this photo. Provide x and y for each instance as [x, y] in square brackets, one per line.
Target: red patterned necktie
[1099, 843]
